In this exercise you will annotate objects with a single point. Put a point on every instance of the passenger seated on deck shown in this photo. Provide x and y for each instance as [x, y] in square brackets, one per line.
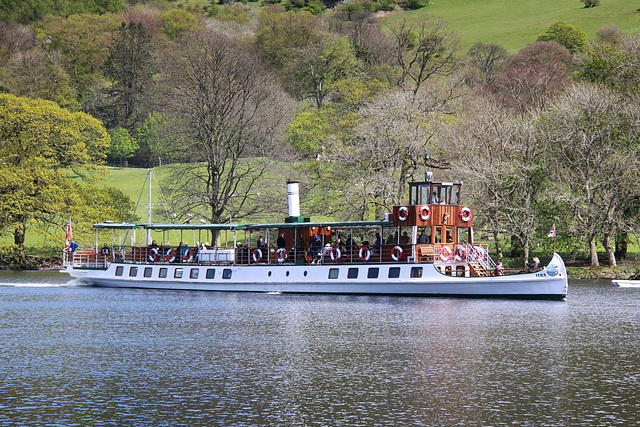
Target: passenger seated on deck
[314, 248]
[499, 270]
[105, 251]
[534, 266]
[423, 237]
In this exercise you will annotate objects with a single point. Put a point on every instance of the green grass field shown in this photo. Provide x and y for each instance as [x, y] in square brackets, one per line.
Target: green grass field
[514, 24]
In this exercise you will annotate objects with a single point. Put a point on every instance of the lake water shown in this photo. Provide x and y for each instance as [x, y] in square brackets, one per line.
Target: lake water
[77, 355]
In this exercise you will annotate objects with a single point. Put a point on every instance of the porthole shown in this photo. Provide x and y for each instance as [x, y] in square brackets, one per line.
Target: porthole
[287, 274]
[305, 274]
[269, 274]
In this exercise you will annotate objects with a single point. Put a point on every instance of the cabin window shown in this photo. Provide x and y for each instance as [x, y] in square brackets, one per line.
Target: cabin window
[373, 273]
[416, 272]
[162, 273]
[226, 273]
[194, 273]
[394, 272]
[460, 270]
[352, 273]
[211, 273]
[133, 271]
[119, 270]
[177, 273]
[438, 236]
[333, 273]
[464, 235]
[148, 271]
[447, 270]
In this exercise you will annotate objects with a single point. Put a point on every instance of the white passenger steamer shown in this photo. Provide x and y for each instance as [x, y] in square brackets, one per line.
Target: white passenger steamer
[426, 248]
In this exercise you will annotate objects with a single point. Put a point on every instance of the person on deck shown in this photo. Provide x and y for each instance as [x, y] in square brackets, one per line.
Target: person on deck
[73, 246]
[314, 248]
[535, 265]
[260, 243]
[499, 270]
[282, 242]
[105, 251]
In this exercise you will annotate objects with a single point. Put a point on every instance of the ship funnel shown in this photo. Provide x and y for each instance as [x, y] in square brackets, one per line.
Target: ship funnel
[294, 198]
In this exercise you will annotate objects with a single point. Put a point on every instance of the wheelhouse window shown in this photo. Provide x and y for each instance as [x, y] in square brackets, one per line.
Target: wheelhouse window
[416, 272]
[147, 272]
[333, 273]
[177, 274]
[394, 272]
[119, 270]
[162, 273]
[194, 273]
[373, 273]
[133, 271]
[352, 273]
[211, 273]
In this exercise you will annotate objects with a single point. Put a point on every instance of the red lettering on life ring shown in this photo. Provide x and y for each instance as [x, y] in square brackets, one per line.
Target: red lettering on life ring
[403, 213]
[465, 214]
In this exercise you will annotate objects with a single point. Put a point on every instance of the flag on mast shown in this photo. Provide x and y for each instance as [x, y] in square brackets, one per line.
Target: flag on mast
[552, 232]
[67, 240]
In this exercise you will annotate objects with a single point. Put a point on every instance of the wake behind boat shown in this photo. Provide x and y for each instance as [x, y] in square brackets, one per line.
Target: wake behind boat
[423, 248]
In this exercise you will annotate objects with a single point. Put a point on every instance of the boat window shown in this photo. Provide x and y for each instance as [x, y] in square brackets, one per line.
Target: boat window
[226, 273]
[455, 197]
[119, 270]
[177, 273]
[211, 273]
[460, 270]
[463, 234]
[194, 273]
[436, 194]
[445, 194]
[352, 273]
[333, 273]
[133, 271]
[416, 272]
[162, 273]
[438, 236]
[373, 273]
[147, 272]
[394, 272]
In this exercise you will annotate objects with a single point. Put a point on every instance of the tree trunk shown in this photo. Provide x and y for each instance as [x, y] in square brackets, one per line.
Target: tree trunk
[609, 249]
[594, 252]
[621, 245]
[496, 239]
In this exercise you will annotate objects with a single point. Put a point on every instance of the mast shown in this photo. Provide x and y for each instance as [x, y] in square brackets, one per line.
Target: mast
[149, 210]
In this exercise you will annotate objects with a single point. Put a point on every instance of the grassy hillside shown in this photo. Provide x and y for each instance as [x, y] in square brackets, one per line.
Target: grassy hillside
[514, 24]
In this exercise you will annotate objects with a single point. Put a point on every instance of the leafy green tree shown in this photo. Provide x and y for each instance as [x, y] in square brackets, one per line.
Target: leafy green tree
[156, 141]
[176, 22]
[616, 66]
[130, 66]
[25, 12]
[569, 36]
[39, 140]
[488, 59]
[123, 145]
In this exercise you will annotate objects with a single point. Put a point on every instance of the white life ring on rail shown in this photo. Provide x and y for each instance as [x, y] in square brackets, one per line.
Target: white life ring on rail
[399, 251]
[403, 213]
[187, 256]
[153, 255]
[425, 212]
[465, 214]
[460, 252]
[445, 253]
[170, 256]
[364, 254]
[282, 255]
[257, 255]
[335, 254]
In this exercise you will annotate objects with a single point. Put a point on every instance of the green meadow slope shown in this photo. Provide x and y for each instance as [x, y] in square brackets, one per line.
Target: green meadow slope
[514, 24]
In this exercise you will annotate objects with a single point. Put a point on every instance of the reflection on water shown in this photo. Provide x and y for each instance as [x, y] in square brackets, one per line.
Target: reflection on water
[80, 355]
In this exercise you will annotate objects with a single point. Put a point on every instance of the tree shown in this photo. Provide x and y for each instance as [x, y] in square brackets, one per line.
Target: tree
[38, 141]
[423, 48]
[569, 36]
[131, 68]
[177, 22]
[488, 59]
[225, 104]
[591, 3]
[591, 138]
[123, 145]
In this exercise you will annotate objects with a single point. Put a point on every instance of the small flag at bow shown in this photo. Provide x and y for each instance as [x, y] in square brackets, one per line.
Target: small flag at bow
[552, 232]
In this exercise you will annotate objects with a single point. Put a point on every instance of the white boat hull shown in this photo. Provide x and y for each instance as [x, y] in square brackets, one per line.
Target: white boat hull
[626, 283]
[413, 279]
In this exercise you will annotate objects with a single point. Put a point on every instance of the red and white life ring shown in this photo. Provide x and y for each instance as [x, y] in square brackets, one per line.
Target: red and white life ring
[478, 253]
[396, 253]
[465, 214]
[281, 254]
[403, 213]
[170, 256]
[257, 255]
[153, 255]
[335, 254]
[425, 212]
[187, 256]
[460, 252]
[445, 253]
[364, 253]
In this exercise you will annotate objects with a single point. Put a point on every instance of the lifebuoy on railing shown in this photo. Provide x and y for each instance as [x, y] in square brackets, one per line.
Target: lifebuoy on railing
[281, 254]
[403, 213]
[257, 255]
[187, 256]
[396, 253]
[335, 254]
[445, 253]
[170, 256]
[364, 253]
[478, 253]
[465, 214]
[153, 255]
[460, 252]
[425, 213]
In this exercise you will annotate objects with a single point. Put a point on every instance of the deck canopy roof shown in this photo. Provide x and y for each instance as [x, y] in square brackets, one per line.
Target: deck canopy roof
[248, 227]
